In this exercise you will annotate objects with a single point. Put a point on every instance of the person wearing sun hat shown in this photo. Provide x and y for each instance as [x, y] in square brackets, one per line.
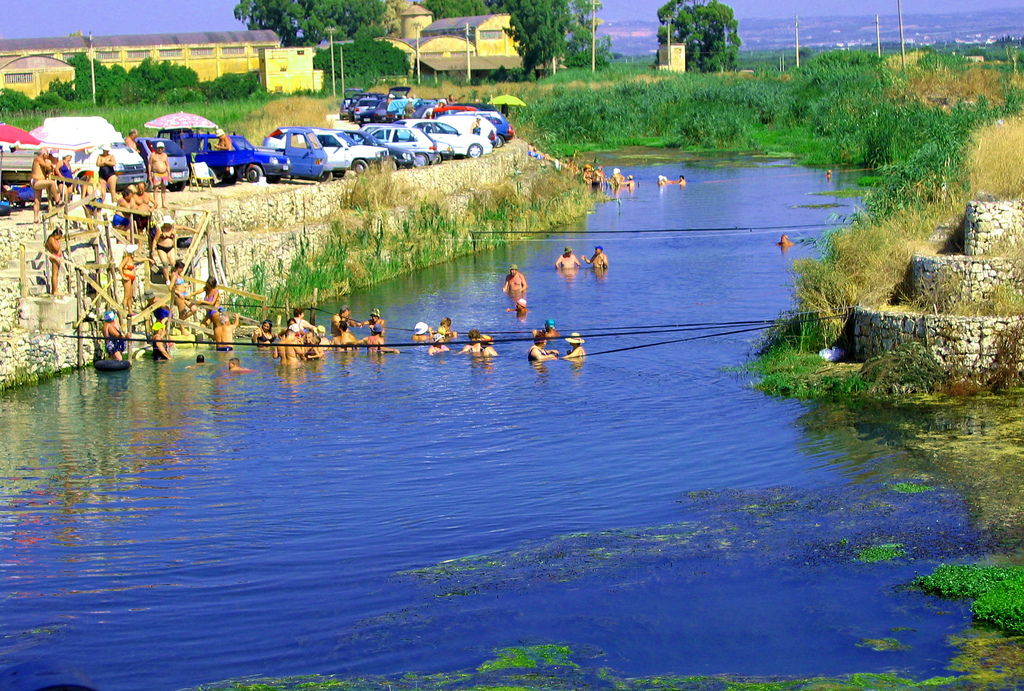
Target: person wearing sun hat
[599, 259]
[421, 333]
[577, 347]
[515, 281]
[520, 308]
[375, 320]
[568, 260]
[223, 142]
[128, 274]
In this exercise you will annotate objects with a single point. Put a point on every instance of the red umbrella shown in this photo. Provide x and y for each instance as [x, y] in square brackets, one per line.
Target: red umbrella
[10, 134]
[177, 121]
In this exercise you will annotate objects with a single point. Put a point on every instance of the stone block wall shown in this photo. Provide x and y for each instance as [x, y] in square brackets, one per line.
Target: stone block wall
[27, 357]
[952, 279]
[989, 224]
[958, 343]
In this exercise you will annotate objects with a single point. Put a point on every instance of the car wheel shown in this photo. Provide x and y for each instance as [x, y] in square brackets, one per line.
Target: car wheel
[475, 151]
[325, 176]
[358, 166]
[390, 164]
[176, 187]
[253, 173]
[420, 160]
[499, 142]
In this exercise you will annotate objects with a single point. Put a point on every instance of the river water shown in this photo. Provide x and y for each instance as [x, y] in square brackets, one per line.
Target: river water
[175, 526]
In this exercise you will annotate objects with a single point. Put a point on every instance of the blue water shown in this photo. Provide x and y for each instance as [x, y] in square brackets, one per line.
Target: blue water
[176, 526]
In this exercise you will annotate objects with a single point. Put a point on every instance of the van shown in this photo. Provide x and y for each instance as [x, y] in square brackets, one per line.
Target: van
[84, 136]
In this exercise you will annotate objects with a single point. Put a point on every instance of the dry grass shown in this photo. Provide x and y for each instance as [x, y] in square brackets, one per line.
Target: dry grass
[946, 88]
[296, 111]
[379, 189]
[996, 167]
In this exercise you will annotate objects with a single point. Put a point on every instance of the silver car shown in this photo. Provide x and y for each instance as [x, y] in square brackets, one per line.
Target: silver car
[424, 150]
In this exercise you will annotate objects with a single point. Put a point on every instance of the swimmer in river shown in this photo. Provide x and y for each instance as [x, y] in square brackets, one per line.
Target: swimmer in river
[548, 331]
[438, 345]
[479, 345]
[828, 175]
[344, 337]
[568, 260]
[287, 347]
[538, 353]
[785, 243]
[515, 281]
[375, 341]
[681, 181]
[520, 308]
[421, 333]
[375, 320]
[263, 337]
[235, 367]
[224, 332]
[599, 260]
[577, 347]
[630, 183]
[445, 329]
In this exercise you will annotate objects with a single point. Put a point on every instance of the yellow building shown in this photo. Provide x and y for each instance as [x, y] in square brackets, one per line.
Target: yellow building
[479, 44]
[287, 70]
[210, 53]
[32, 74]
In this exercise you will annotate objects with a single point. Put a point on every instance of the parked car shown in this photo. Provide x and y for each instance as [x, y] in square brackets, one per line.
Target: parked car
[307, 159]
[244, 161]
[400, 91]
[349, 101]
[464, 125]
[466, 145]
[500, 122]
[366, 105]
[343, 153]
[423, 149]
[176, 157]
[399, 156]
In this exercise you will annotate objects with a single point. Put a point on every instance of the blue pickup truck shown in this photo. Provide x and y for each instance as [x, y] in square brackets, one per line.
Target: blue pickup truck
[245, 161]
[305, 153]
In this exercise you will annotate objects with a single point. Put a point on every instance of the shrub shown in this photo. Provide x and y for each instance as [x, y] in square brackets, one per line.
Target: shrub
[14, 101]
[907, 368]
[231, 87]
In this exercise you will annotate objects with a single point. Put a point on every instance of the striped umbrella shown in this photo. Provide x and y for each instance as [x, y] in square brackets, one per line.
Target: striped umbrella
[180, 121]
[12, 138]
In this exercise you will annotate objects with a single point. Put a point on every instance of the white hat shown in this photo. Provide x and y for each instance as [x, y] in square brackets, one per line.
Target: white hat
[160, 145]
[167, 221]
[616, 171]
[131, 248]
[420, 328]
[295, 328]
[219, 131]
[521, 301]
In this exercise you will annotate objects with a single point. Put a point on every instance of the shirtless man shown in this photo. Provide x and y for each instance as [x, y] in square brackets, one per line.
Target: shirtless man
[54, 246]
[375, 341]
[345, 315]
[224, 333]
[235, 367]
[548, 332]
[599, 260]
[159, 172]
[568, 260]
[538, 353]
[344, 337]
[375, 321]
[131, 141]
[785, 243]
[287, 349]
[515, 282]
[223, 142]
[42, 171]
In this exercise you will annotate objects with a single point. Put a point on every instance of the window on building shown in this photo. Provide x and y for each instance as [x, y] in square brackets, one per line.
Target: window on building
[18, 78]
[108, 55]
[232, 50]
[138, 54]
[68, 56]
[201, 52]
[171, 53]
[491, 35]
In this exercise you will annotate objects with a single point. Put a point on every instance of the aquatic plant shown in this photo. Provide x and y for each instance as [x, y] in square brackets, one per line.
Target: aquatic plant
[989, 660]
[998, 591]
[907, 368]
[882, 644]
[529, 657]
[909, 487]
[877, 553]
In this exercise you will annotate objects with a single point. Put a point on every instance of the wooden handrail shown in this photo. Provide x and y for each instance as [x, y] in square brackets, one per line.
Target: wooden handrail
[227, 289]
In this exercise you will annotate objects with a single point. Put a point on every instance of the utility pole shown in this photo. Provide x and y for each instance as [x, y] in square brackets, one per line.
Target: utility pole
[593, 36]
[878, 36]
[92, 68]
[334, 86]
[903, 45]
[419, 36]
[668, 45]
[469, 73]
[341, 59]
[797, 26]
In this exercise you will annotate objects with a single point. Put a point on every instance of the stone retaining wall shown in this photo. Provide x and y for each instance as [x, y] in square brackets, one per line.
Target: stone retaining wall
[27, 357]
[956, 279]
[988, 224]
[958, 343]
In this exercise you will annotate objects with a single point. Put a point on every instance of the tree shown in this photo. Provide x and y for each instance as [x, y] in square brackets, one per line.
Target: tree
[365, 59]
[538, 28]
[443, 9]
[581, 36]
[305, 22]
[707, 27]
[391, 22]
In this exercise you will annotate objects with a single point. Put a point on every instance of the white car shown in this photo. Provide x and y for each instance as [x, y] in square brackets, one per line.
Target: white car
[84, 137]
[466, 145]
[463, 122]
[343, 153]
[424, 150]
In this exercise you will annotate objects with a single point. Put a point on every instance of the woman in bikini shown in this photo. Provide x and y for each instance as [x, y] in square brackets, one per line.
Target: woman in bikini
[164, 242]
[179, 289]
[128, 274]
[210, 301]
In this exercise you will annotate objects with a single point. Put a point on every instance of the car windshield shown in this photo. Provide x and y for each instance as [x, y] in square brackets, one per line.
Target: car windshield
[363, 138]
[328, 140]
[242, 144]
[170, 148]
[443, 128]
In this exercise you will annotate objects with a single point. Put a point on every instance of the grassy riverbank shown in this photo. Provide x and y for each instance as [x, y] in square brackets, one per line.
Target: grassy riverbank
[389, 227]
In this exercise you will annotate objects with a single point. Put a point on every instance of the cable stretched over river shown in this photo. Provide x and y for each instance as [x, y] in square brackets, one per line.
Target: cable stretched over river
[660, 231]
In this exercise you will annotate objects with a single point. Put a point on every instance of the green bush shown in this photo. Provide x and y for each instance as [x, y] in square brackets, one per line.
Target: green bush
[232, 87]
[998, 591]
[1003, 605]
[13, 102]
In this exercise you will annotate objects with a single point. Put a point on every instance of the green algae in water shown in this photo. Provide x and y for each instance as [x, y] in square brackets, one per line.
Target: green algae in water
[909, 487]
[887, 552]
[882, 644]
[530, 657]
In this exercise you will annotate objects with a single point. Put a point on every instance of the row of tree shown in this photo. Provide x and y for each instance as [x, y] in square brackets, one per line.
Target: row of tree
[543, 29]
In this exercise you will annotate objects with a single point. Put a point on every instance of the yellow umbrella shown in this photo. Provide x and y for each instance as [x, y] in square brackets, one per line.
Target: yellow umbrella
[507, 100]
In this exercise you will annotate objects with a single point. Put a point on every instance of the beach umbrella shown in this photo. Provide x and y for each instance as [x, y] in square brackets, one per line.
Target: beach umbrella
[180, 121]
[12, 138]
[61, 137]
[507, 100]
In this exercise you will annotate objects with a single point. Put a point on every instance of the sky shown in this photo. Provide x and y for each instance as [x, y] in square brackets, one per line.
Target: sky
[24, 19]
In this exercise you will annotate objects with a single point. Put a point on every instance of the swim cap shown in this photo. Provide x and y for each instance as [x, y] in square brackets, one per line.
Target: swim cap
[599, 248]
[109, 316]
[375, 313]
[615, 171]
[420, 328]
[162, 313]
[521, 301]
[321, 329]
[158, 326]
[550, 322]
[377, 329]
